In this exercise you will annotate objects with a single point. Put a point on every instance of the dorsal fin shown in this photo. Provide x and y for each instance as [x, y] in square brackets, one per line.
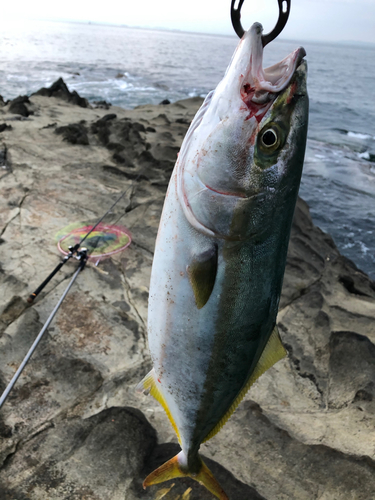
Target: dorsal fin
[202, 275]
[149, 385]
[272, 353]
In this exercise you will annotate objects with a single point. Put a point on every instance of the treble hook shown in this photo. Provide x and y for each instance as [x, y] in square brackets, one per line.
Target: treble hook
[280, 25]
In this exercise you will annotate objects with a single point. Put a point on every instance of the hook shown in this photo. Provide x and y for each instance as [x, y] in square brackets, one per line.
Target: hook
[280, 25]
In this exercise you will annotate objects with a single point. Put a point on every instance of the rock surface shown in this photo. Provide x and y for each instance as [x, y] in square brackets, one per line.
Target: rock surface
[73, 428]
[60, 90]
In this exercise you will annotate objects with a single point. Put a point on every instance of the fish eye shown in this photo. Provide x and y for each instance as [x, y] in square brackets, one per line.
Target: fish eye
[269, 138]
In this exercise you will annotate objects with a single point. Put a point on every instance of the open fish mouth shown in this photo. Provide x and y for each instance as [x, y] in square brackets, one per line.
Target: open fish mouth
[257, 83]
[216, 173]
[258, 87]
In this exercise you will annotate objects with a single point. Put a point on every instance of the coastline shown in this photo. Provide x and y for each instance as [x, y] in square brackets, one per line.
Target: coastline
[305, 429]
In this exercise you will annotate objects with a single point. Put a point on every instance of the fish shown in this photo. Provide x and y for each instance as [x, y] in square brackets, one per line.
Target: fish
[221, 250]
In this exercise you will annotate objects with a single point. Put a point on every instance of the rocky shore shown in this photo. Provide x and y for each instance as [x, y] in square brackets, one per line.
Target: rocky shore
[73, 428]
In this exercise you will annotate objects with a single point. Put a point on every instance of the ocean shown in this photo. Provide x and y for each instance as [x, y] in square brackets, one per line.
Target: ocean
[128, 67]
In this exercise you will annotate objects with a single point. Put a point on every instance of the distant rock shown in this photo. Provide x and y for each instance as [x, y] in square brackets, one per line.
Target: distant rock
[18, 106]
[5, 126]
[102, 104]
[104, 119]
[165, 102]
[75, 133]
[60, 90]
[4, 159]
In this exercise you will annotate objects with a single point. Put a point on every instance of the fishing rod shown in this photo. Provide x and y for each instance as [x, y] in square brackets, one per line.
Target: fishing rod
[82, 256]
[74, 249]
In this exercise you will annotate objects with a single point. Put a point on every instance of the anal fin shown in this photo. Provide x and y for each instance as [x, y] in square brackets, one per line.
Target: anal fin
[272, 353]
[150, 385]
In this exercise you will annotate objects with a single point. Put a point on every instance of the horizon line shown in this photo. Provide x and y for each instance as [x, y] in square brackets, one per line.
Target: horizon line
[176, 30]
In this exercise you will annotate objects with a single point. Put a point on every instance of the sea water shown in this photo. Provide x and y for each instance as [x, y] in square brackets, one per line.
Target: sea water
[129, 67]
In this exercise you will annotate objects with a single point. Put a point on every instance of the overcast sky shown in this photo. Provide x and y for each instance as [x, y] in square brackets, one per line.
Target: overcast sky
[338, 20]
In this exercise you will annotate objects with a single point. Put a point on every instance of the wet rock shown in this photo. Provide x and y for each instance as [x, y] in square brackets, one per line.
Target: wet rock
[75, 133]
[106, 118]
[281, 467]
[102, 104]
[18, 106]
[20, 334]
[4, 126]
[12, 310]
[183, 121]
[4, 157]
[50, 125]
[351, 370]
[101, 127]
[165, 102]
[69, 459]
[60, 90]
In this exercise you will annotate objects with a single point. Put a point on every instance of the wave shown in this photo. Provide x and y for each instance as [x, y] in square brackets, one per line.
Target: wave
[358, 135]
[366, 155]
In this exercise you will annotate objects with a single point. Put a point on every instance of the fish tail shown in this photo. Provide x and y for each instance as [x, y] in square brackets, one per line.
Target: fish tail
[177, 467]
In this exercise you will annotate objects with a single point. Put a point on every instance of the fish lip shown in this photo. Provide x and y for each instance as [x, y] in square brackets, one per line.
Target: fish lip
[300, 56]
[259, 86]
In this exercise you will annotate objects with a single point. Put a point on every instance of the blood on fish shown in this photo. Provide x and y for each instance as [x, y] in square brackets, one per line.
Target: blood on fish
[292, 91]
[247, 94]
[255, 111]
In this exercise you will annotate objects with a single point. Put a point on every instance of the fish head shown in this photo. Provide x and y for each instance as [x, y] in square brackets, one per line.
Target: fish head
[240, 166]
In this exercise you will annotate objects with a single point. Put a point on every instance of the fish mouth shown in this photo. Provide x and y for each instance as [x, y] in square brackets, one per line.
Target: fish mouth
[260, 86]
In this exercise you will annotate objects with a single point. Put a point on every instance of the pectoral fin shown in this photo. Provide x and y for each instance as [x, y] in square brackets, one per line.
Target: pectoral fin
[202, 275]
[272, 353]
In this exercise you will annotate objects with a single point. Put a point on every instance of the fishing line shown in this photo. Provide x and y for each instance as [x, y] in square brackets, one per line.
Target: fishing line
[83, 260]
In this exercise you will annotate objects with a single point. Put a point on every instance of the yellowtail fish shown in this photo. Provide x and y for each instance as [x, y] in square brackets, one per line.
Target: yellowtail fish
[221, 250]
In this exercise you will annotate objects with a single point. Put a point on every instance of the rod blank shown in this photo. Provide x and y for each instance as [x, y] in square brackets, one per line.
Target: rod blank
[40, 335]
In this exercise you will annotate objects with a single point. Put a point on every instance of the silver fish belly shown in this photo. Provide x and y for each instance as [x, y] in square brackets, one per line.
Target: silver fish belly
[221, 250]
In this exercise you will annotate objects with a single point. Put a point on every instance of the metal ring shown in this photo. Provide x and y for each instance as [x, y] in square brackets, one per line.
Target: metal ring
[280, 25]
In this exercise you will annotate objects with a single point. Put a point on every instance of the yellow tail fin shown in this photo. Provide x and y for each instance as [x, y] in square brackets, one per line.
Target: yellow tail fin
[176, 467]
